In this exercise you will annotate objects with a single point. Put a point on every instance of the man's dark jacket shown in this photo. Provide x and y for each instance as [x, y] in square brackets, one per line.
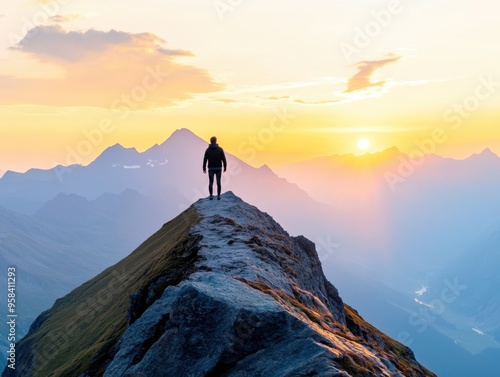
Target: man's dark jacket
[215, 157]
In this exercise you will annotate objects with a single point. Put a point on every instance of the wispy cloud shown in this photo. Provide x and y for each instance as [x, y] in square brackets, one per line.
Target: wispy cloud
[225, 100]
[62, 18]
[286, 86]
[101, 66]
[276, 98]
[293, 92]
[363, 78]
[44, 1]
[363, 130]
[316, 103]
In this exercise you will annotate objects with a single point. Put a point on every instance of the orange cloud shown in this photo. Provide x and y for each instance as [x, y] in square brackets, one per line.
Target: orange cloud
[316, 103]
[276, 98]
[226, 100]
[105, 69]
[362, 79]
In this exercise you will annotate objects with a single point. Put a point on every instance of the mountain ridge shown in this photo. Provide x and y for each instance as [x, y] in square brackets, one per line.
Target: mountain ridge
[394, 150]
[221, 290]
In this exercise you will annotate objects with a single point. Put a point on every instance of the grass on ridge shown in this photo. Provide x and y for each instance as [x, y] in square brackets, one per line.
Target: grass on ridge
[82, 328]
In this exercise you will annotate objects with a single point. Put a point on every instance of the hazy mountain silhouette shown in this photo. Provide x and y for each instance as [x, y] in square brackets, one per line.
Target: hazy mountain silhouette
[91, 216]
[170, 173]
[381, 242]
[476, 314]
[69, 240]
[426, 229]
[48, 260]
[441, 206]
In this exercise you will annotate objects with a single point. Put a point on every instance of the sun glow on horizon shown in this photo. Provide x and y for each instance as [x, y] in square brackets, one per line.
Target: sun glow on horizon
[363, 144]
[147, 74]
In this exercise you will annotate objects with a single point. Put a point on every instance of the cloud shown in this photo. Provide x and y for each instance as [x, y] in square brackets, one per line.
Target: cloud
[276, 98]
[316, 103]
[301, 101]
[53, 42]
[225, 100]
[363, 78]
[61, 18]
[364, 130]
[101, 67]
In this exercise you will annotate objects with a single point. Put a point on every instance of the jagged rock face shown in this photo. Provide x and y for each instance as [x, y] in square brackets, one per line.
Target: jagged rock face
[257, 305]
[238, 297]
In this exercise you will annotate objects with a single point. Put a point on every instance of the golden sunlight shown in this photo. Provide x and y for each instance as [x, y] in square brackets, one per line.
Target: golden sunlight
[363, 144]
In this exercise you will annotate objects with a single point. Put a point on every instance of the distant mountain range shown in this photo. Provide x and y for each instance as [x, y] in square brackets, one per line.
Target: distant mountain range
[475, 313]
[66, 224]
[438, 208]
[419, 226]
[170, 173]
[385, 226]
[67, 241]
[340, 179]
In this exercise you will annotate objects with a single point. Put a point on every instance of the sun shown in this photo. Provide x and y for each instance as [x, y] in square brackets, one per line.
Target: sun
[363, 144]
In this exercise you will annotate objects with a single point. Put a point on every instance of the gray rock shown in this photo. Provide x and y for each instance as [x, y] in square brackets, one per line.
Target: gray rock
[220, 291]
[257, 305]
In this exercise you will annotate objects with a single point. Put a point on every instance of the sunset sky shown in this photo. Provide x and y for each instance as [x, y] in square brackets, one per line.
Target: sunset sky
[277, 81]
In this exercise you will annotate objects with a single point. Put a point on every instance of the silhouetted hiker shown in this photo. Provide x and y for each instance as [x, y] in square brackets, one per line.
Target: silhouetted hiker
[215, 157]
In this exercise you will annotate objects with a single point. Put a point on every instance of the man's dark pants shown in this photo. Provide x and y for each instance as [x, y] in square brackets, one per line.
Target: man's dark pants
[218, 175]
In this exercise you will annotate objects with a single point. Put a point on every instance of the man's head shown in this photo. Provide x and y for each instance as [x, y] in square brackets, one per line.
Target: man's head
[213, 140]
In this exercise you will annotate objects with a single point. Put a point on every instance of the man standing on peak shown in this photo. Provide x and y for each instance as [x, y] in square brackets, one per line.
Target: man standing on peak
[215, 157]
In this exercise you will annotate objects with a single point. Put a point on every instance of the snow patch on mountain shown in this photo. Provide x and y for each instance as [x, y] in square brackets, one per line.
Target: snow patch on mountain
[421, 291]
[477, 331]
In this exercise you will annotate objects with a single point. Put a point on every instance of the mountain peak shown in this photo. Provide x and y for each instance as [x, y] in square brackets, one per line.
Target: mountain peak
[178, 141]
[117, 148]
[485, 154]
[391, 151]
[221, 290]
[182, 135]
[184, 132]
[115, 154]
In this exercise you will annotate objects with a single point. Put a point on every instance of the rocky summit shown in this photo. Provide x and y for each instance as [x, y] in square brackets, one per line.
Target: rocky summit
[220, 291]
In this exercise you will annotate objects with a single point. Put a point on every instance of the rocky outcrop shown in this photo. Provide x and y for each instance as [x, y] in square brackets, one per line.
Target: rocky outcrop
[232, 295]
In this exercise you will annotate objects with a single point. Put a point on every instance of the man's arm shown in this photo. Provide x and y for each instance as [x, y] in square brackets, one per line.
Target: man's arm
[223, 158]
[205, 160]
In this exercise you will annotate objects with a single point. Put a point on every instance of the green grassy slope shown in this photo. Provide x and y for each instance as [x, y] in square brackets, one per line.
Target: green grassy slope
[79, 333]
